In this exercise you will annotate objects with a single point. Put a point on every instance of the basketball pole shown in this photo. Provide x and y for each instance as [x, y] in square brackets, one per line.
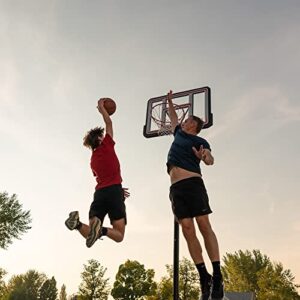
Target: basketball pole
[176, 261]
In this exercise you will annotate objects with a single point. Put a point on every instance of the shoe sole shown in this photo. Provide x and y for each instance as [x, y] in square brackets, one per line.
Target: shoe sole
[94, 233]
[72, 221]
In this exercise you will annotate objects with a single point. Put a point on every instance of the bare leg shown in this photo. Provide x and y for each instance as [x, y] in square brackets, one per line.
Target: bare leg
[188, 230]
[210, 239]
[85, 229]
[117, 232]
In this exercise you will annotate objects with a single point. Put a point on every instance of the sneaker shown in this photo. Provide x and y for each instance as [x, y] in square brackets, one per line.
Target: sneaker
[205, 288]
[95, 229]
[73, 220]
[217, 292]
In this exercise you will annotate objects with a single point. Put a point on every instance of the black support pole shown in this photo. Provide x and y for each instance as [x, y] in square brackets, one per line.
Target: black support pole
[176, 262]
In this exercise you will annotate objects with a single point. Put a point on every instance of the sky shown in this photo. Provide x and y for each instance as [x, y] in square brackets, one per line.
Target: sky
[57, 58]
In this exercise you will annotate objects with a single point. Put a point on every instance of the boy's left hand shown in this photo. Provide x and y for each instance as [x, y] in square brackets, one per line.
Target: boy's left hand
[199, 153]
[126, 193]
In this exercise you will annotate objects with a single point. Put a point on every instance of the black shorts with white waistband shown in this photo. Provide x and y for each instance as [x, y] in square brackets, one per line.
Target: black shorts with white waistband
[109, 200]
[189, 198]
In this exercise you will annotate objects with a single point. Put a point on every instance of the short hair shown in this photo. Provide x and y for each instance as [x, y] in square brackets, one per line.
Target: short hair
[199, 122]
[91, 139]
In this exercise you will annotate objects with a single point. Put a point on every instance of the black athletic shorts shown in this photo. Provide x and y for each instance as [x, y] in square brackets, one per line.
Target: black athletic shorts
[189, 198]
[109, 200]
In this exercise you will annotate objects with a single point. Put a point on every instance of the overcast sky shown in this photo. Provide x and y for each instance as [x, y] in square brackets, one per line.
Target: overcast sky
[58, 57]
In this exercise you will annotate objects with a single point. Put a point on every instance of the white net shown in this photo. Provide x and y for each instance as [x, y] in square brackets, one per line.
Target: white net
[164, 129]
[163, 124]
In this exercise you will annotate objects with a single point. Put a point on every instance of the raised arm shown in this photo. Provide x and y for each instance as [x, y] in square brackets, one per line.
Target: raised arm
[172, 113]
[106, 118]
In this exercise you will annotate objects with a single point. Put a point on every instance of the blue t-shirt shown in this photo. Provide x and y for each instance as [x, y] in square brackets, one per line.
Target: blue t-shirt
[181, 153]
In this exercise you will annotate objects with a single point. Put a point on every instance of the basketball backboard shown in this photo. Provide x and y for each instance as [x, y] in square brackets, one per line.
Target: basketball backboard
[191, 102]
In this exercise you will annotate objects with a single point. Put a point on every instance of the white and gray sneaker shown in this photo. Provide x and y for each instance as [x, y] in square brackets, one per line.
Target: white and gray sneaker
[95, 229]
[73, 220]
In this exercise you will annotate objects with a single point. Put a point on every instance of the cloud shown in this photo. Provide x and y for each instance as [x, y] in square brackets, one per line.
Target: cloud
[296, 226]
[265, 104]
[9, 78]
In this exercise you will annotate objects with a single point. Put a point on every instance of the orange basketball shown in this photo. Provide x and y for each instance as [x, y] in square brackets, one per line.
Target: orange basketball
[110, 105]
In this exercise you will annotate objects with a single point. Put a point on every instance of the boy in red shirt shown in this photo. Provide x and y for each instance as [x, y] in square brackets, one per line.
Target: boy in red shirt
[109, 195]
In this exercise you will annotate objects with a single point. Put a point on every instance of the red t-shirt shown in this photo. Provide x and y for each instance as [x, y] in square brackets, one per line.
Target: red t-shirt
[105, 164]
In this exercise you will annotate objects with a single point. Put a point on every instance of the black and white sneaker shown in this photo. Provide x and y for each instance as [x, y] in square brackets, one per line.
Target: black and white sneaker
[205, 288]
[73, 221]
[95, 230]
[217, 292]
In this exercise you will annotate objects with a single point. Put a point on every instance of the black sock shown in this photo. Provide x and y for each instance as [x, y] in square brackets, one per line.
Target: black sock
[202, 271]
[216, 269]
[78, 225]
[103, 231]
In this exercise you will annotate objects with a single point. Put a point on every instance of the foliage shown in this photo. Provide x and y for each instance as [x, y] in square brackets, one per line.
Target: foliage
[13, 220]
[133, 281]
[94, 285]
[30, 286]
[253, 271]
[63, 293]
[165, 289]
[3, 288]
[48, 290]
[189, 285]
[26, 286]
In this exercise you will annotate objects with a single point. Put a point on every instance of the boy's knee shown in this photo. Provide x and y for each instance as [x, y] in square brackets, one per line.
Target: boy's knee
[205, 228]
[188, 230]
[120, 239]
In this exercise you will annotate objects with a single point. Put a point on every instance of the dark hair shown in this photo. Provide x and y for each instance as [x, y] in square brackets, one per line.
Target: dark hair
[91, 139]
[200, 123]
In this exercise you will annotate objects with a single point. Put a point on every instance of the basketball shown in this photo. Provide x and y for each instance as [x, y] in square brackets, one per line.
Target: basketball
[110, 105]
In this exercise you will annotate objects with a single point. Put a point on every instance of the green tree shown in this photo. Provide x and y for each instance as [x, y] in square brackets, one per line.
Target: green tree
[26, 286]
[133, 281]
[48, 290]
[3, 288]
[94, 285]
[165, 288]
[13, 220]
[253, 271]
[189, 285]
[63, 293]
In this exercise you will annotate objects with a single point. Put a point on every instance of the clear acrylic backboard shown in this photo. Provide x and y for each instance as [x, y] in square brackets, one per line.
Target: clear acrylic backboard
[191, 102]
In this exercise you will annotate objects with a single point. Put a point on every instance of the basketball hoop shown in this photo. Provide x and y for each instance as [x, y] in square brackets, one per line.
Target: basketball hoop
[164, 129]
[160, 116]
[186, 103]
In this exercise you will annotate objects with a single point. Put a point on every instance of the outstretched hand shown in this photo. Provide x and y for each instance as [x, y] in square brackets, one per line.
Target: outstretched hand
[100, 105]
[170, 96]
[199, 153]
[126, 193]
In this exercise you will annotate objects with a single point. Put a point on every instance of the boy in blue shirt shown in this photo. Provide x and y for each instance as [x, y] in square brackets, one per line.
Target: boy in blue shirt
[189, 197]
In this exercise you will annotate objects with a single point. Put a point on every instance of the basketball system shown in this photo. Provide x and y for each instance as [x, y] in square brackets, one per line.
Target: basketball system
[158, 123]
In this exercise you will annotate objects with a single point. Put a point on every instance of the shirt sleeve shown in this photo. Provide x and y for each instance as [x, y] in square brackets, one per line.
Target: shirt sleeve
[178, 127]
[206, 145]
[108, 140]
